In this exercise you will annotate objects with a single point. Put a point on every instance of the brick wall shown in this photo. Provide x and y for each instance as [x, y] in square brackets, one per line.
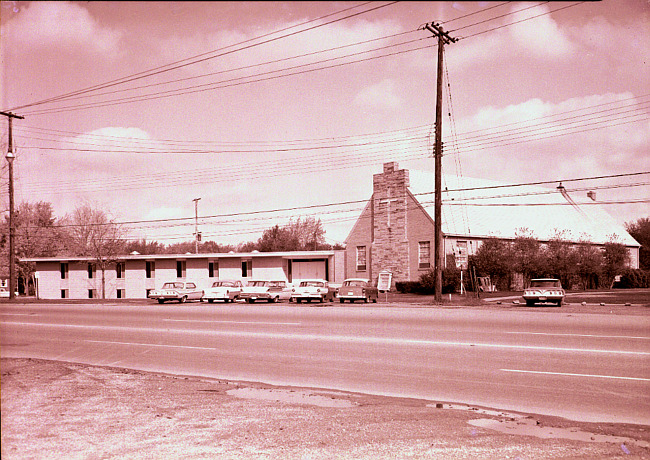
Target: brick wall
[390, 248]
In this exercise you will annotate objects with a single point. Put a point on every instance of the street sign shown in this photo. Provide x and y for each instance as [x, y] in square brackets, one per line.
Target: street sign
[384, 281]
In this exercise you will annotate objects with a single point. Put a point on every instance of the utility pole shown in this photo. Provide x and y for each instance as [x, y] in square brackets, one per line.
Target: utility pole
[197, 235]
[443, 37]
[12, 231]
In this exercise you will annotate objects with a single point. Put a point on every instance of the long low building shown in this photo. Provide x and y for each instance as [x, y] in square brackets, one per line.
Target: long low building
[134, 276]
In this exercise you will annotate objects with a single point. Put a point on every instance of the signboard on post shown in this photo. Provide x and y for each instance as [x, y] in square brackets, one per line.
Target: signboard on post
[384, 281]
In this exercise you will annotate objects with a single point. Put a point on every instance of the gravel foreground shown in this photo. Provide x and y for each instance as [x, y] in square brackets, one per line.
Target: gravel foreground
[57, 410]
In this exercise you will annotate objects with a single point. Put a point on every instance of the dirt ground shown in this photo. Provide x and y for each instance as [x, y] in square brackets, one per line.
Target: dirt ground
[59, 410]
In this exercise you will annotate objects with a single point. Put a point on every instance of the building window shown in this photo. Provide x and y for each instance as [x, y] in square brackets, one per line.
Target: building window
[64, 272]
[92, 293]
[180, 269]
[213, 269]
[119, 270]
[246, 268]
[424, 254]
[361, 258]
[91, 271]
[64, 294]
[150, 269]
[121, 294]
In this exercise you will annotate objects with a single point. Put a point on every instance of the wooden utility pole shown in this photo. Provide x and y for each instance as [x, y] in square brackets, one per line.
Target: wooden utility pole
[12, 231]
[197, 235]
[439, 255]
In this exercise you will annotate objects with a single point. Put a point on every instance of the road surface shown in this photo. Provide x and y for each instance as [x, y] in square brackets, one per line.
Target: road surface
[585, 367]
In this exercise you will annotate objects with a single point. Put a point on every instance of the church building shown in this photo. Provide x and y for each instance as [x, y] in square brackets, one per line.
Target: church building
[395, 231]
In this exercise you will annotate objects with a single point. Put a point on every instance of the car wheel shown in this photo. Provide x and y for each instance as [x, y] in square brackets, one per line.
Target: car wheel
[341, 300]
[559, 303]
[249, 300]
[182, 299]
[298, 300]
[530, 303]
[322, 299]
[161, 300]
[374, 300]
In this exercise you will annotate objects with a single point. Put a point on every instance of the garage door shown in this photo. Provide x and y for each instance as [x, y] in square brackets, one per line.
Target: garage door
[308, 270]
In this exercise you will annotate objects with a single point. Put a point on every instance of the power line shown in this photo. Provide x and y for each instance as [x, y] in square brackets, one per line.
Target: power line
[176, 65]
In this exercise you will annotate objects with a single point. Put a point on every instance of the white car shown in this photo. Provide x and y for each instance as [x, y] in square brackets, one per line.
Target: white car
[226, 290]
[544, 290]
[316, 289]
[265, 290]
[180, 291]
[4, 293]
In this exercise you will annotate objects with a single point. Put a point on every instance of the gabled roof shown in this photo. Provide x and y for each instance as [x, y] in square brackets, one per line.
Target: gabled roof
[501, 211]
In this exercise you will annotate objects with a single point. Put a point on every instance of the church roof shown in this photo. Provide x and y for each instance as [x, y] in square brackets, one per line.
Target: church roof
[483, 208]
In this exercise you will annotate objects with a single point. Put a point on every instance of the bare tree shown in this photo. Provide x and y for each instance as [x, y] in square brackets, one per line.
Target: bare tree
[93, 234]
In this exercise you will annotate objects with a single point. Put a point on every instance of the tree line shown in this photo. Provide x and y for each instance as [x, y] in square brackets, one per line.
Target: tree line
[581, 264]
[91, 232]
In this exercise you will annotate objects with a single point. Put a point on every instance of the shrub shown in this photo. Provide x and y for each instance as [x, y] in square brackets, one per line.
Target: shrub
[633, 278]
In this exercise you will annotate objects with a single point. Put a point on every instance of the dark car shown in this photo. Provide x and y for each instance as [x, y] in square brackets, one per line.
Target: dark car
[357, 289]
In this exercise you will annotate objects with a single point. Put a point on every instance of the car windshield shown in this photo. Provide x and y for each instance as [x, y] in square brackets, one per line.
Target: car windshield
[223, 283]
[354, 283]
[312, 283]
[258, 283]
[173, 286]
[545, 284]
[276, 284]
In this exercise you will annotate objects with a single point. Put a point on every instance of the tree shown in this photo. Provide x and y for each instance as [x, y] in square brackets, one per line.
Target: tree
[589, 264]
[527, 255]
[299, 235]
[616, 258]
[278, 238]
[494, 259]
[561, 259]
[93, 234]
[36, 235]
[640, 231]
[144, 247]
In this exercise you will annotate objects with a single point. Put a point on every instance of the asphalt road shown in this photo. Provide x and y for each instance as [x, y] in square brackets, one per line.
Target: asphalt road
[584, 367]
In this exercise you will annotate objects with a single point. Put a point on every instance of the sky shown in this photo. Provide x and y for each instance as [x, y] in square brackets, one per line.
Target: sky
[277, 111]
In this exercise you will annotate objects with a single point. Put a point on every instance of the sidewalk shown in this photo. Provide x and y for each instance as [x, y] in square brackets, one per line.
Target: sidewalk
[68, 411]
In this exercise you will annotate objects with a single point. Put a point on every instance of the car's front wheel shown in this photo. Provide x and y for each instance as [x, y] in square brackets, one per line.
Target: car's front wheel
[161, 300]
[530, 303]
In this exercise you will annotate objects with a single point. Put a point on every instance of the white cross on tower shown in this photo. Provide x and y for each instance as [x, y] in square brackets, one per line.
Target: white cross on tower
[387, 201]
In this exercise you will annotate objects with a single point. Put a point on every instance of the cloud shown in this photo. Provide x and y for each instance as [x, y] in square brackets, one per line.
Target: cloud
[61, 24]
[529, 141]
[539, 36]
[380, 95]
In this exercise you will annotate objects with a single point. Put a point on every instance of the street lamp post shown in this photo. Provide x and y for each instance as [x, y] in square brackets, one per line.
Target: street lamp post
[197, 235]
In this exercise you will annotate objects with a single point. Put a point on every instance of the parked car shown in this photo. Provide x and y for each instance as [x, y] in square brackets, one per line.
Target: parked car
[280, 290]
[544, 290]
[226, 290]
[180, 291]
[316, 289]
[264, 290]
[4, 293]
[357, 289]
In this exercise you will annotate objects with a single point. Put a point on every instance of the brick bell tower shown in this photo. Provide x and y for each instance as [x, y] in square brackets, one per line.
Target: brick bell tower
[390, 248]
